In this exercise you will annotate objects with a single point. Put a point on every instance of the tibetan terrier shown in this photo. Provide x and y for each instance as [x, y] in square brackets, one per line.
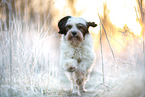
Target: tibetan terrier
[77, 55]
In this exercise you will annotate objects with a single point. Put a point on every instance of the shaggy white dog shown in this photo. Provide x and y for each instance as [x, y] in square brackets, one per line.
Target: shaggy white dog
[77, 55]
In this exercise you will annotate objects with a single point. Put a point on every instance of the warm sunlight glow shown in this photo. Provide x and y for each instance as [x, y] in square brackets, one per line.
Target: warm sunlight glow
[89, 10]
[135, 28]
[59, 4]
[34, 57]
[122, 12]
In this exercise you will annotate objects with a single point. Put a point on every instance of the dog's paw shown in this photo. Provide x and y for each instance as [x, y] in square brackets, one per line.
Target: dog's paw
[76, 93]
[79, 94]
[71, 69]
[84, 91]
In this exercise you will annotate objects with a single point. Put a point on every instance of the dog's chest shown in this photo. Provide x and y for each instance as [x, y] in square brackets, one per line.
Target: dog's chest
[75, 53]
[83, 52]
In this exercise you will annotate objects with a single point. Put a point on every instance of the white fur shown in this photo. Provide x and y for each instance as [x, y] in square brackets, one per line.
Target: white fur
[76, 20]
[69, 56]
[77, 53]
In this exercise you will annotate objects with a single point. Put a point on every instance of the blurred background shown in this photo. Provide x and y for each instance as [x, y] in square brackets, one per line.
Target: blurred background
[30, 47]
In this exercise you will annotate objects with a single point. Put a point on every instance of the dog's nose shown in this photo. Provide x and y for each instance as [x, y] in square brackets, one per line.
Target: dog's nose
[74, 33]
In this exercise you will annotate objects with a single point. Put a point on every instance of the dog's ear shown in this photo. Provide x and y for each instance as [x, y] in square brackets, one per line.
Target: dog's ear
[92, 24]
[62, 23]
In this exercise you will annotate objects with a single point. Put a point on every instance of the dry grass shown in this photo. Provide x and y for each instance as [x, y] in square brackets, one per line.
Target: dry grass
[34, 67]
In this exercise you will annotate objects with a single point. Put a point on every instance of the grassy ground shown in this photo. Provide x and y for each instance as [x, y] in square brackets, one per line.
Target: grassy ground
[29, 66]
[35, 69]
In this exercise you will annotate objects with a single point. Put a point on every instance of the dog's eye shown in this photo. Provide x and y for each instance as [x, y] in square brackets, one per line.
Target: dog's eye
[68, 27]
[80, 27]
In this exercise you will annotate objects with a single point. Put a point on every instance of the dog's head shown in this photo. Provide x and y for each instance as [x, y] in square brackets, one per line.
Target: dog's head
[74, 28]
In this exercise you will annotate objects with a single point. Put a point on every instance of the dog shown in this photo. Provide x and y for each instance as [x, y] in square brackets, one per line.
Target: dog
[77, 56]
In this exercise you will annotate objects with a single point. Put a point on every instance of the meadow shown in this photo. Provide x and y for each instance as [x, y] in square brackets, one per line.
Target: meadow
[30, 48]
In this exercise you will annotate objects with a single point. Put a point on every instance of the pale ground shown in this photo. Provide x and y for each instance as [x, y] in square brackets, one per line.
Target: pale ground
[115, 86]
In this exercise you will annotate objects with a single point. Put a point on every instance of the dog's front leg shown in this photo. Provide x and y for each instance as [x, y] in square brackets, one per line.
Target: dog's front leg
[82, 87]
[76, 89]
